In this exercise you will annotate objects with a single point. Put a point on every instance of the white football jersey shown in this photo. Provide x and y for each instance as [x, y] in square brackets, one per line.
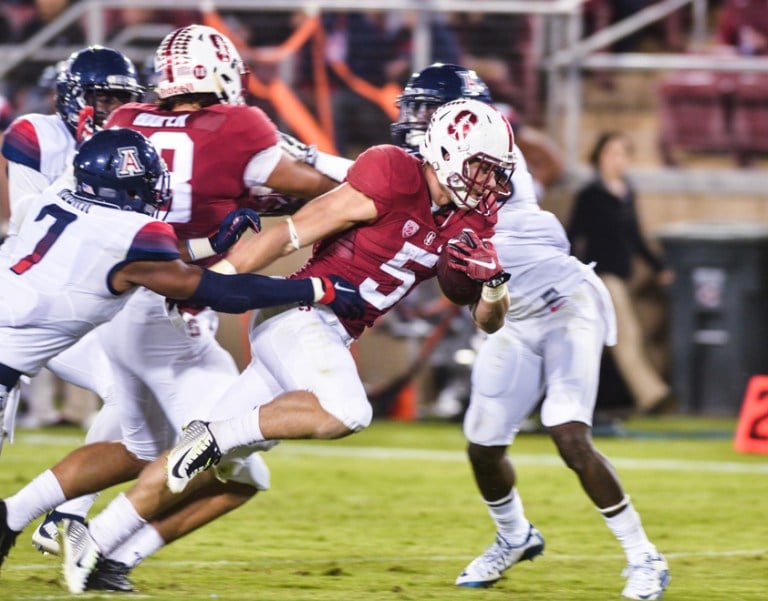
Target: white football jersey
[39, 149]
[533, 248]
[54, 281]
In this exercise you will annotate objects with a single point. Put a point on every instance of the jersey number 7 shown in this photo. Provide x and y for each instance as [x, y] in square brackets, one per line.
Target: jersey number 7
[62, 219]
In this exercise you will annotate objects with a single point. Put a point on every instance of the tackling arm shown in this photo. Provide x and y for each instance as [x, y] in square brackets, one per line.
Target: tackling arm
[229, 294]
[334, 212]
[236, 293]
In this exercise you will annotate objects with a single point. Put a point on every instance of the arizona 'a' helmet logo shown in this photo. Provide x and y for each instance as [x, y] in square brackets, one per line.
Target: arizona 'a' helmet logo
[129, 162]
[462, 125]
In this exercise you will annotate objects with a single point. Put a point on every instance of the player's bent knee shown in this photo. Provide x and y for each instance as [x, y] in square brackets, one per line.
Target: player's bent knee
[349, 414]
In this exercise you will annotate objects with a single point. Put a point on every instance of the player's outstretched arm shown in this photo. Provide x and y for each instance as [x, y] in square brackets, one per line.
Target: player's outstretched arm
[236, 293]
[334, 212]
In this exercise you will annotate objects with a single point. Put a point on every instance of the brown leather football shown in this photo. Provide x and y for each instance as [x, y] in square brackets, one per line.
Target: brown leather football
[456, 285]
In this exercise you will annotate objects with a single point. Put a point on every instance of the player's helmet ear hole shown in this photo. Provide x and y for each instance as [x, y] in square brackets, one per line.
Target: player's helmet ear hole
[445, 153]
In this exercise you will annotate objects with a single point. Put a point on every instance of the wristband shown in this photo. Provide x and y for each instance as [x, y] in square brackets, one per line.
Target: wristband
[491, 295]
[224, 267]
[332, 166]
[200, 248]
[317, 287]
[293, 234]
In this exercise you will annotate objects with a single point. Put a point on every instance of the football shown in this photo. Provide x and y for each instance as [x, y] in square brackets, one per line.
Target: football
[457, 287]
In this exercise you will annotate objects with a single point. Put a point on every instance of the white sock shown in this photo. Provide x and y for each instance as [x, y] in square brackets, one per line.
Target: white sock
[509, 517]
[628, 530]
[78, 506]
[115, 524]
[237, 432]
[142, 543]
[41, 495]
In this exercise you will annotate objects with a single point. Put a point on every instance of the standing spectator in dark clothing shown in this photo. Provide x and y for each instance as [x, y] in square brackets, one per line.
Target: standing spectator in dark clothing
[361, 41]
[47, 12]
[604, 229]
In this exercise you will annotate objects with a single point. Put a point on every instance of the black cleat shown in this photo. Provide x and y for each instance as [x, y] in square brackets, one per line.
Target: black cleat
[7, 536]
[110, 575]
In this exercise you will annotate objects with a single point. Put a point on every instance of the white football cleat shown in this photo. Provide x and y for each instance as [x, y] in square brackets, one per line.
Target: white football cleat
[46, 537]
[488, 568]
[648, 579]
[80, 555]
[196, 452]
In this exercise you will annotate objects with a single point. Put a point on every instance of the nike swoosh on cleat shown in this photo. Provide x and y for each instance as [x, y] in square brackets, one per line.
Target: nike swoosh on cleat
[175, 470]
[487, 264]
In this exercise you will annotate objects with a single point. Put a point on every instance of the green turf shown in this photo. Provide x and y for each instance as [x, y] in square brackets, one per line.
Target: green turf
[392, 514]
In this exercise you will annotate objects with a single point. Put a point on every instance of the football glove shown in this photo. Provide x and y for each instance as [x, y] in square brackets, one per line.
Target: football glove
[477, 258]
[86, 125]
[232, 227]
[306, 153]
[341, 296]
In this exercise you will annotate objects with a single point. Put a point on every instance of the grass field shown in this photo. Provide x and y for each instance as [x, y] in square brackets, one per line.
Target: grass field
[391, 514]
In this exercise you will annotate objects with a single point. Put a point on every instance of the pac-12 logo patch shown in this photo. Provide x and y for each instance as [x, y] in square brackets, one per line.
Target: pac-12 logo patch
[129, 162]
[410, 227]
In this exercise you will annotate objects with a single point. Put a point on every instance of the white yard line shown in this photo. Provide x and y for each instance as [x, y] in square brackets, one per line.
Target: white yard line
[549, 460]
[329, 449]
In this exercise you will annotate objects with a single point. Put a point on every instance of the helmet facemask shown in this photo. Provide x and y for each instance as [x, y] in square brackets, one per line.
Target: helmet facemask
[99, 77]
[469, 145]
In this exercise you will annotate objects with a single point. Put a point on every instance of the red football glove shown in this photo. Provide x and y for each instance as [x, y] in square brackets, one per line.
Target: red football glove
[477, 258]
[86, 125]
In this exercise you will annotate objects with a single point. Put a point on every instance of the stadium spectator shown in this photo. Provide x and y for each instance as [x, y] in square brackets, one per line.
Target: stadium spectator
[445, 44]
[46, 12]
[175, 359]
[383, 215]
[604, 228]
[501, 48]
[742, 27]
[361, 41]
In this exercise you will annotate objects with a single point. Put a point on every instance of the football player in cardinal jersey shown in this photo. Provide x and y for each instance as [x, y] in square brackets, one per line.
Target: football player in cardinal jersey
[383, 227]
[558, 321]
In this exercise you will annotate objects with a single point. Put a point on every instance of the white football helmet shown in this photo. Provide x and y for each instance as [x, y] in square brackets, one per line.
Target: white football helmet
[470, 145]
[198, 59]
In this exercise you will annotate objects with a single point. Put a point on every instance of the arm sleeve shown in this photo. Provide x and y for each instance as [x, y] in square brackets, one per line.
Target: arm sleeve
[239, 293]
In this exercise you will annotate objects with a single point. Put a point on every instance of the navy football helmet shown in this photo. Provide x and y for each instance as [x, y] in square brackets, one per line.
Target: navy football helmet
[95, 73]
[120, 168]
[425, 91]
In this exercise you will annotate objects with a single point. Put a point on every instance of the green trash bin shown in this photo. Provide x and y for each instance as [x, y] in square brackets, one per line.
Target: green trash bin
[718, 311]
